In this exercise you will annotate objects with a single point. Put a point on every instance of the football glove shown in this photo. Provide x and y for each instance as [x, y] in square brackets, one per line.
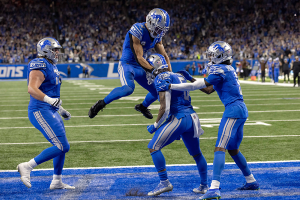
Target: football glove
[154, 72]
[64, 113]
[55, 102]
[163, 85]
[186, 75]
[151, 128]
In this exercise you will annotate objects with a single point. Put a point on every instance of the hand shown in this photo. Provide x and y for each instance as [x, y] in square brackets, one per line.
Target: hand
[55, 102]
[154, 72]
[64, 113]
[151, 129]
[186, 75]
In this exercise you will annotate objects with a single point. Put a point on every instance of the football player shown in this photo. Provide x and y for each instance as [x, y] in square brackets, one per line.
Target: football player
[223, 79]
[43, 112]
[133, 66]
[270, 68]
[276, 67]
[176, 119]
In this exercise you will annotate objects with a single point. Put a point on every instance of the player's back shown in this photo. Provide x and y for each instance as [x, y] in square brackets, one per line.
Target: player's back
[51, 84]
[226, 84]
[180, 105]
[140, 31]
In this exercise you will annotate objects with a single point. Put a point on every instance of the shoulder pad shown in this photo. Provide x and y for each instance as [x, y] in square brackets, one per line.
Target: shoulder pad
[161, 81]
[164, 76]
[136, 30]
[216, 69]
[37, 64]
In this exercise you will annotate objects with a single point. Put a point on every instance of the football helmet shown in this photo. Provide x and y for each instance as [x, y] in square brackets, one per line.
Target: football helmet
[157, 61]
[270, 59]
[158, 22]
[276, 60]
[262, 59]
[219, 52]
[46, 46]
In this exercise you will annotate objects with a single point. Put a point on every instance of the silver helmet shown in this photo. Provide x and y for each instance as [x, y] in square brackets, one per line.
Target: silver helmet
[46, 46]
[219, 52]
[157, 61]
[158, 22]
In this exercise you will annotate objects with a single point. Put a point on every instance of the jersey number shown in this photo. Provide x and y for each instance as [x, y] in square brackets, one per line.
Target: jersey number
[186, 93]
[237, 80]
[58, 80]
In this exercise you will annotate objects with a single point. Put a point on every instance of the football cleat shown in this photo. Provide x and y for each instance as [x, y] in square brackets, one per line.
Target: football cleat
[99, 105]
[24, 169]
[250, 186]
[58, 184]
[163, 186]
[144, 110]
[202, 189]
[211, 194]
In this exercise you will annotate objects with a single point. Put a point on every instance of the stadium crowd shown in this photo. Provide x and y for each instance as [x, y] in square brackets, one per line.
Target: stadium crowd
[94, 31]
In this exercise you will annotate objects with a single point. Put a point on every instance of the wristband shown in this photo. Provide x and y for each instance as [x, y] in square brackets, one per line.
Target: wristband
[49, 100]
[155, 125]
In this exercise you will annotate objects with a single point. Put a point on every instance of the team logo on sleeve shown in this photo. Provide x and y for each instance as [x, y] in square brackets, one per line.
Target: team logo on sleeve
[143, 43]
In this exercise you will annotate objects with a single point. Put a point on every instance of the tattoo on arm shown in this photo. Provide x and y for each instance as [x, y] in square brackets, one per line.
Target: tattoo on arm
[162, 109]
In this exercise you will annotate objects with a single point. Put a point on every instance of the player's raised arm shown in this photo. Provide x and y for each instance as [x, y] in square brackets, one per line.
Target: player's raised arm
[138, 53]
[159, 48]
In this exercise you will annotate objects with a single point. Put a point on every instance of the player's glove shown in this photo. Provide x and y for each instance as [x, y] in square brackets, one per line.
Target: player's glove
[152, 128]
[186, 75]
[56, 102]
[64, 113]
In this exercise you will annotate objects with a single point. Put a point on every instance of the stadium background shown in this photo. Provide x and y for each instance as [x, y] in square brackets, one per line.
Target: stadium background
[91, 33]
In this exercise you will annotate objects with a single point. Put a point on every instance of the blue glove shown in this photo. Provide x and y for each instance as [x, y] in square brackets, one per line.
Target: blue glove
[151, 129]
[186, 75]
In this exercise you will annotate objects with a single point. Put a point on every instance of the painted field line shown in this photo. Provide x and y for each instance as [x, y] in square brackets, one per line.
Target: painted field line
[134, 115]
[142, 140]
[146, 166]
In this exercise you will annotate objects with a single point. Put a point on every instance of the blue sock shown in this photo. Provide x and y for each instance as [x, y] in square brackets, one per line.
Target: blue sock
[58, 164]
[219, 163]
[47, 154]
[241, 162]
[202, 168]
[160, 164]
[149, 99]
[117, 93]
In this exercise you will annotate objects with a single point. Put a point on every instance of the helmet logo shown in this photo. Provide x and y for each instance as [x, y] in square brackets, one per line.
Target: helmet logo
[218, 47]
[46, 42]
[156, 17]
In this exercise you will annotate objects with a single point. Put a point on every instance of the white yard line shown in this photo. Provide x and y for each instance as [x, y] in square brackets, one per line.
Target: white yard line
[142, 140]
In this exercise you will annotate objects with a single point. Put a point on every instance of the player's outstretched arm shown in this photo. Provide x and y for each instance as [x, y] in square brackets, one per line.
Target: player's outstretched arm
[159, 48]
[165, 100]
[198, 84]
[36, 78]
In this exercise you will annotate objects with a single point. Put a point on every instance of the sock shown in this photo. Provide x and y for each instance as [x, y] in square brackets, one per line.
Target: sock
[47, 154]
[250, 178]
[160, 164]
[241, 162]
[149, 99]
[202, 168]
[32, 163]
[57, 177]
[58, 164]
[117, 93]
[218, 166]
[215, 184]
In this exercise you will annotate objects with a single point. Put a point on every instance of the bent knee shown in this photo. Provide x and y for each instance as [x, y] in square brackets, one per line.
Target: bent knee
[66, 148]
[220, 149]
[152, 150]
[233, 152]
[127, 90]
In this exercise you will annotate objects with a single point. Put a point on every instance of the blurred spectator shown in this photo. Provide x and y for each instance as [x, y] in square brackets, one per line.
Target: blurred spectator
[69, 71]
[286, 69]
[296, 70]
[193, 68]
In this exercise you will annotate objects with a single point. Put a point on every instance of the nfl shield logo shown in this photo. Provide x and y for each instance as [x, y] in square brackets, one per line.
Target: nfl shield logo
[143, 43]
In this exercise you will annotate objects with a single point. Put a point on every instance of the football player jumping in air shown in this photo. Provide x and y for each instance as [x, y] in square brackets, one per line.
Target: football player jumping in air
[45, 104]
[133, 66]
[223, 79]
[181, 121]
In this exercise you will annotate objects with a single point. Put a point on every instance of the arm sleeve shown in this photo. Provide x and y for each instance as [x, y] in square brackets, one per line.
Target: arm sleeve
[199, 84]
[167, 110]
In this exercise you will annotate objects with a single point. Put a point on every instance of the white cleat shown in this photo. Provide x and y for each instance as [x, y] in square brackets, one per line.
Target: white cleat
[202, 189]
[163, 186]
[24, 169]
[58, 184]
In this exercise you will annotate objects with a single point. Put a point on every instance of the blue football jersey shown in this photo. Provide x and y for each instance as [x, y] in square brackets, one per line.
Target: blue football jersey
[276, 65]
[140, 31]
[225, 82]
[51, 84]
[269, 64]
[180, 101]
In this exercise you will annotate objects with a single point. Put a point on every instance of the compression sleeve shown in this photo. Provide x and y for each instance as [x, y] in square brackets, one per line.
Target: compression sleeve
[199, 84]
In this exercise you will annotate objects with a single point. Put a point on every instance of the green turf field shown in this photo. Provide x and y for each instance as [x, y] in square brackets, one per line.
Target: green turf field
[118, 135]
